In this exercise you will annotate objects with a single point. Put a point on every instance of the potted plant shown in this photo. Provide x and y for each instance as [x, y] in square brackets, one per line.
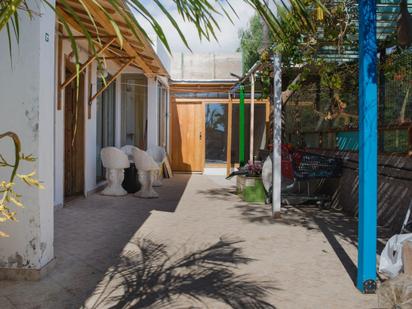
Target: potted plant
[249, 185]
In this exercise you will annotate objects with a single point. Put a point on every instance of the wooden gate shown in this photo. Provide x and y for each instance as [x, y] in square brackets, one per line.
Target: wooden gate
[187, 137]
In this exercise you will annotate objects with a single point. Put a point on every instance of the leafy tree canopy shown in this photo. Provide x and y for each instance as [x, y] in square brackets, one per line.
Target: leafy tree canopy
[251, 42]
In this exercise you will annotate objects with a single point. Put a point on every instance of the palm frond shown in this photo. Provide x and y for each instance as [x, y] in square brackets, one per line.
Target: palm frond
[201, 13]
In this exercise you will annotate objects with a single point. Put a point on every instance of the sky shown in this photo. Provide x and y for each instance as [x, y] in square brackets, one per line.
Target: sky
[228, 39]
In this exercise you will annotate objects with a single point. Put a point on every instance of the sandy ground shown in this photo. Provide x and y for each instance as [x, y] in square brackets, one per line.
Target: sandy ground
[198, 246]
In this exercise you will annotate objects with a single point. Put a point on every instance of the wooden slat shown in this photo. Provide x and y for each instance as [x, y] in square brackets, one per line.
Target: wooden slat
[115, 57]
[83, 37]
[102, 20]
[73, 23]
[59, 68]
[267, 121]
[222, 101]
[133, 45]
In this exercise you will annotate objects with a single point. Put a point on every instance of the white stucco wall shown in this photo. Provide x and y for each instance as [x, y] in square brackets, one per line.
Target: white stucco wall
[152, 113]
[27, 105]
[188, 66]
[90, 138]
[118, 113]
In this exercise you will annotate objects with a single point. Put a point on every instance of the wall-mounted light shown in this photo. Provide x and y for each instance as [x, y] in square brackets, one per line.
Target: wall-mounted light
[102, 70]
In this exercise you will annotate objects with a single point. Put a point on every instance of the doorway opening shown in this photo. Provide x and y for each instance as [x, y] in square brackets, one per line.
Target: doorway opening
[105, 123]
[74, 117]
[134, 110]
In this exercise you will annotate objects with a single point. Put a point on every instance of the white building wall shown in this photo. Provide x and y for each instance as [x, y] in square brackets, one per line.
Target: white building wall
[59, 144]
[90, 134]
[118, 113]
[27, 105]
[205, 66]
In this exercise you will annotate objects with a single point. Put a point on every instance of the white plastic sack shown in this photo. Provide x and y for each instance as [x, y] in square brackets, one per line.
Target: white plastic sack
[391, 256]
[267, 173]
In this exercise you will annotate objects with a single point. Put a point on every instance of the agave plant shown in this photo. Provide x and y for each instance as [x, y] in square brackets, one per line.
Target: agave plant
[8, 196]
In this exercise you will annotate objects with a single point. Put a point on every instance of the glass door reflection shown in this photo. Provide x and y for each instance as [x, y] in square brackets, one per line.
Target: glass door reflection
[216, 135]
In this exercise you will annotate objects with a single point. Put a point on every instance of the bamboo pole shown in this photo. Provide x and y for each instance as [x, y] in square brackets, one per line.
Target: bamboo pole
[242, 126]
[114, 77]
[229, 136]
[86, 64]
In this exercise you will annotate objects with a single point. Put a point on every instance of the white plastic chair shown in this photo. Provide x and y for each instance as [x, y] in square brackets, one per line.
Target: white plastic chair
[127, 149]
[159, 155]
[115, 161]
[146, 167]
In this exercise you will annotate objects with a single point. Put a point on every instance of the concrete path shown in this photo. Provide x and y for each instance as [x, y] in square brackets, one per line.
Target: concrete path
[198, 246]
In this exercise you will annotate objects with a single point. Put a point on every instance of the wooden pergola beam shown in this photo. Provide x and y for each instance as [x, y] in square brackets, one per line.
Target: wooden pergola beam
[59, 68]
[86, 64]
[105, 23]
[111, 80]
[83, 37]
[115, 57]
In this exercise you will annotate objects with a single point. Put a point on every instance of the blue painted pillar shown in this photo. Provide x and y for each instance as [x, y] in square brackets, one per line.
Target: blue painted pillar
[368, 116]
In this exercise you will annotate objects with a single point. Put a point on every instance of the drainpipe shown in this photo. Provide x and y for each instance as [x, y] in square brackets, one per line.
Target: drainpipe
[242, 126]
[277, 137]
[368, 157]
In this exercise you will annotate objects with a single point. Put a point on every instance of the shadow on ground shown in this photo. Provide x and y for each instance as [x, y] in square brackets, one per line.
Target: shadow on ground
[220, 194]
[151, 277]
[90, 236]
[335, 226]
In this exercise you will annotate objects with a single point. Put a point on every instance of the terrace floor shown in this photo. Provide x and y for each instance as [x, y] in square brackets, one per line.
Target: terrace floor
[197, 246]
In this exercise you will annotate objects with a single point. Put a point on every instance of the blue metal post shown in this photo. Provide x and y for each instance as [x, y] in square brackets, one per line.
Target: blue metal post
[368, 116]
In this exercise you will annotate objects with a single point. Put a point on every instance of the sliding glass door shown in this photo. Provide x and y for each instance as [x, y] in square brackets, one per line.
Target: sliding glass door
[134, 110]
[216, 133]
[105, 118]
[163, 117]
